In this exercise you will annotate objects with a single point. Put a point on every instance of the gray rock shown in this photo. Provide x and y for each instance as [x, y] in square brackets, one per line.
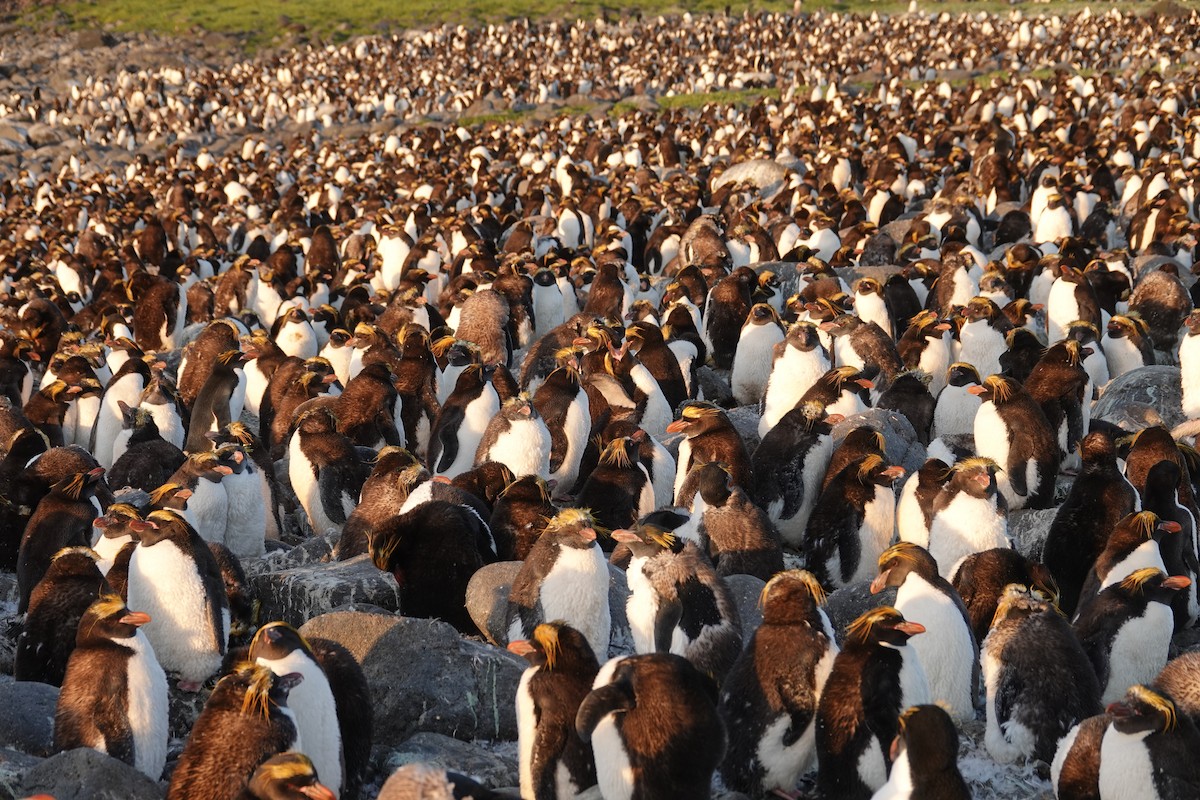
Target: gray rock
[27, 716]
[13, 765]
[301, 593]
[1028, 529]
[10, 147]
[42, 135]
[487, 603]
[746, 590]
[424, 677]
[851, 602]
[183, 709]
[1142, 398]
[464, 758]
[899, 437]
[768, 176]
[487, 597]
[85, 774]
[91, 39]
[714, 385]
[745, 420]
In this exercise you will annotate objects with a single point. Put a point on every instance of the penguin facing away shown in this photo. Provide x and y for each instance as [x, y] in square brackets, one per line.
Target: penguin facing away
[71, 584]
[770, 695]
[114, 694]
[553, 761]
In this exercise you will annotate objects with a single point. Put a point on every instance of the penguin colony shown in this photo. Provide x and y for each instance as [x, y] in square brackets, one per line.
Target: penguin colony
[830, 345]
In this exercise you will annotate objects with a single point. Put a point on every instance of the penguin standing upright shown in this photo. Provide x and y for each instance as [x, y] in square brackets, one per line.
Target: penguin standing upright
[947, 651]
[462, 421]
[788, 466]
[553, 761]
[925, 345]
[63, 518]
[709, 437]
[114, 695]
[925, 758]
[248, 503]
[618, 491]
[175, 579]
[1189, 366]
[1039, 681]
[725, 312]
[1099, 498]
[1127, 344]
[244, 722]
[770, 696]
[565, 577]
[564, 406]
[969, 514]
[752, 357]
[956, 405]
[982, 337]
[1132, 545]
[853, 522]
[207, 508]
[72, 583]
[874, 678]
[1071, 298]
[517, 438]
[652, 723]
[220, 400]
[1149, 749]
[1127, 629]
[316, 703]
[677, 603]
[799, 362]
[1012, 430]
[325, 470]
[1160, 494]
[126, 386]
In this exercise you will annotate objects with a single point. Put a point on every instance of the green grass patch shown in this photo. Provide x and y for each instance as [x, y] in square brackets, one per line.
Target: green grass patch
[259, 23]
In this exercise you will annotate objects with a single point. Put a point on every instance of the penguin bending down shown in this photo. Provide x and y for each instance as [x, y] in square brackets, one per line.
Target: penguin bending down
[652, 723]
[174, 577]
[799, 362]
[925, 759]
[770, 695]
[245, 721]
[981, 578]
[553, 761]
[564, 578]
[114, 696]
[874, 678]
[740, 537]
[1039, 681]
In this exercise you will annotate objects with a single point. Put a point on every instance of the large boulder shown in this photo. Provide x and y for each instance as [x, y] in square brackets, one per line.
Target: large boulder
[899, 437]
[423, 676]
[86, 774]
[300, 593]
[768, 176]
[27, 716]
[13, 765]
[1028, 529]
[1142, 398]
[449, 753]
[746, 591]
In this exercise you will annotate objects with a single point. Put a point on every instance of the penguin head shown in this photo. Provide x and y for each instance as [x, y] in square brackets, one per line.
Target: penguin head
[841, 325]
[868, 286]
[1192, 322]
[574, 527]
[1142, 526]
[207, 465]
[998, 389]
[803, 336]
[234, 359]
[698, 417]
[975, 476]
[791, 597]
[898, 561]
[171, 495]
[392, 460]
[1154, 584]
[120, 519]
[961, 373]
[1143, 710]
[316, 421]
[763, 314]
[258, 688]
[318, 373]
[648, 538]
[109, 618]
[884, 625]
[527, 488]
[980, 308]
[165, 524]
[556, 646]
[617, 453]
[277, 640]
[873, 468]
[74, 561]
[929, 325]
[1083, 332]
[1018, 602]
[929, 736]
[288, 776]
[231, 457]
[714, 484]
[79, 485]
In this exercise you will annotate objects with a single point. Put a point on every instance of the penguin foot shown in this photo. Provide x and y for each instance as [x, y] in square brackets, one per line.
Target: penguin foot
[189, 686]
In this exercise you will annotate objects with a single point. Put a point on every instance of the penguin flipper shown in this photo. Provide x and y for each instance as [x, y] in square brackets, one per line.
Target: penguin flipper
[666, 619]
[616, 696]
[449, 422]
[1016, 479]
[1006, 697]
[333, 492]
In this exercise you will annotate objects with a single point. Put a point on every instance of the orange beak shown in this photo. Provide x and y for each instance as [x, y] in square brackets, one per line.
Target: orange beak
[1169, 526]
[911, 628]
[521, 647]
[136, 618]
[624, 535]
[317, 791]
[880, 582]
[588, 534]
[1177, 582]
[678, 426]
[976, 390]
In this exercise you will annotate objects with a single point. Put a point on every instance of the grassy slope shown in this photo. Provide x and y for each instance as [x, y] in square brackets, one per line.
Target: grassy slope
[261, 22]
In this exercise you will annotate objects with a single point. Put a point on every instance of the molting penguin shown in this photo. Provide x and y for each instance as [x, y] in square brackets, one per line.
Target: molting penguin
[564, 406]
[325, 470]
[947, 651]
[874, 678]
[564, 578]
[553, 761]
[72, 583]
[63, 518]
[853, 522]
[969, 514]
[175, 579]
[1012, 430]
[520, 514]
[618, 491]
[114, 694]
[677, 603]
[770, 695]
[219, 402]
[1127, 629]
[740, 537]
[1039, 681]
[652, 723]
[981, 578]
[244, 722]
